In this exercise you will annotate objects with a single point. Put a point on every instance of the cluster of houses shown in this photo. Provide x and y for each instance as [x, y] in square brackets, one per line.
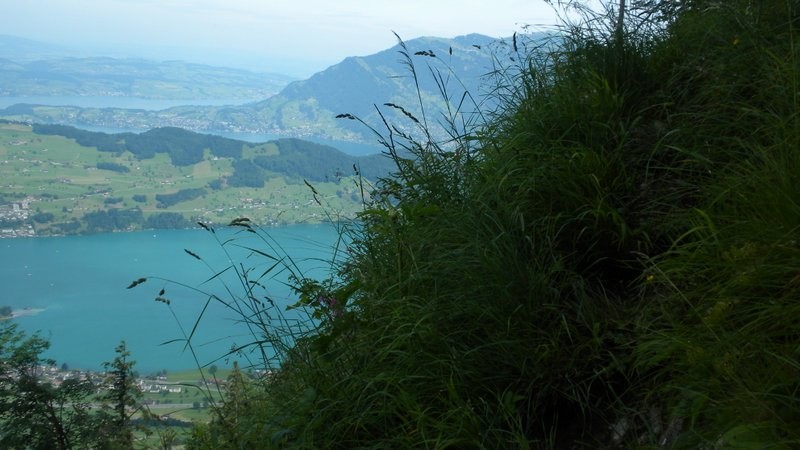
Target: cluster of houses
[158, 385]
[14, 219]
[56, 376]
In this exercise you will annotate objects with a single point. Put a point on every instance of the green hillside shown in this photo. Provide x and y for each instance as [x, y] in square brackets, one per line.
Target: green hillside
[612, 263]
[58, 179]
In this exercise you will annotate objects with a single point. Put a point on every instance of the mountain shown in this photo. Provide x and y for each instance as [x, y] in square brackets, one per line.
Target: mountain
[357, 84]
[309, 108]
[22, 49]
[112, 77]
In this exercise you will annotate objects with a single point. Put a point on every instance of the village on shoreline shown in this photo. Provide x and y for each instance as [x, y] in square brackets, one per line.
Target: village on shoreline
[15, 219]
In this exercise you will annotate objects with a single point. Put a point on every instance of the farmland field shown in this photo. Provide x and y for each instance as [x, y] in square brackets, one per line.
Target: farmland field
[58, 182]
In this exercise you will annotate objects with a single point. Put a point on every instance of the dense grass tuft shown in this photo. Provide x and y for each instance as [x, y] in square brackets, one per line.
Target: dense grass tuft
[612, 261]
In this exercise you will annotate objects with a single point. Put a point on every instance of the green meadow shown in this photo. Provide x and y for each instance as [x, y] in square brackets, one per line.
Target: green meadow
[62, 178]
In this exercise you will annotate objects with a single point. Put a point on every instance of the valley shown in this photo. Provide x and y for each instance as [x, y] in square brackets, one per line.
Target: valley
[450, 73]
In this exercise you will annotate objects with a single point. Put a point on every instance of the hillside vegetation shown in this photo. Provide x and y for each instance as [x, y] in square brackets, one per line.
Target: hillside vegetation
[612, 263]
[63, 180]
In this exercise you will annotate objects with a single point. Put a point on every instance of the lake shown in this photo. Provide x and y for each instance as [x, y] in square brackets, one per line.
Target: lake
[89, 101]
[73, 290]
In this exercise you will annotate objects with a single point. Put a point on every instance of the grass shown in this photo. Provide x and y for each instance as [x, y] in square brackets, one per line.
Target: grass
[610, 262]
[63, 179]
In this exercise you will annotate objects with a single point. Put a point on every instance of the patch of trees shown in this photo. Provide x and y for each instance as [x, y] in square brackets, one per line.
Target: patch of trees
[317, 162]
[42, 217]
[167, 220]
[10, 197]
[36, 414]
[104, 142]
[183, 147]
[113, 219]
[141, 198]
[216, 184]
[184, 195]
[246, 174]
[70, 227]
[11, 223]
[297, 159]
[114, 167]
[112, 200]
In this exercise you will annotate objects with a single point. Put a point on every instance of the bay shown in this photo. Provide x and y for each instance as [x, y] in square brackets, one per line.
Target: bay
[73, 290]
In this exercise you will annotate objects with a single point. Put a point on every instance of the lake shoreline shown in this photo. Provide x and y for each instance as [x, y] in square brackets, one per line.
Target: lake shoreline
[80, 283]
[26, 312]
[33, 235]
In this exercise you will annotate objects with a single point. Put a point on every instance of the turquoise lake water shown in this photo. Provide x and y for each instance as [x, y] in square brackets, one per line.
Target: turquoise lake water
[79, 284]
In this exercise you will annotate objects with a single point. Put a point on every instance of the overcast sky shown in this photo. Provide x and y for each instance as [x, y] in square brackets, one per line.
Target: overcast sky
[298, 37]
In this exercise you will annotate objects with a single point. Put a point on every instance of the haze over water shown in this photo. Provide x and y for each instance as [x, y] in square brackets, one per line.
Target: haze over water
[79, 283]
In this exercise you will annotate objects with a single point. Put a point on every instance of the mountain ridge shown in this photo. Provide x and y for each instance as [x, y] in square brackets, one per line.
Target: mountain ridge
[133, 77]
[307, 108]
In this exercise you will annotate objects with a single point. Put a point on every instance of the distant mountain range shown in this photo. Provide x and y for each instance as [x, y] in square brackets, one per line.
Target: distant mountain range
[31, 68]
[111, 77]
[359, 86]
[26, 50]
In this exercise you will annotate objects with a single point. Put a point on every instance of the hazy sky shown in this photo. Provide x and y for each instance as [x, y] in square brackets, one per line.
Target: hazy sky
[291, 36]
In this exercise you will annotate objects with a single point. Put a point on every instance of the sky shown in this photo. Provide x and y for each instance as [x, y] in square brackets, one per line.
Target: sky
[295, 37]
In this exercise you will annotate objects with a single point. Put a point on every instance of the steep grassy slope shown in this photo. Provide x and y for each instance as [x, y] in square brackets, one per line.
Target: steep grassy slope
[615, 266]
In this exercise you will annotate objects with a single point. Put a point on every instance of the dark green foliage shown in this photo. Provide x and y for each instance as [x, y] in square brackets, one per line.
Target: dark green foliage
[70, 227]
[139, 198]
[35, 414]
[297, 160]
[246, 174]
[11, 223]
[216, 184]
[184, 147]
[184, 195]
[114, 167]
[42, 217]
[316, 162]
[233, 424]
[112, 143]
[167, 220]
[612, 262]
[113, 219]
[302, 160]
[121, 400]
[112, 200]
